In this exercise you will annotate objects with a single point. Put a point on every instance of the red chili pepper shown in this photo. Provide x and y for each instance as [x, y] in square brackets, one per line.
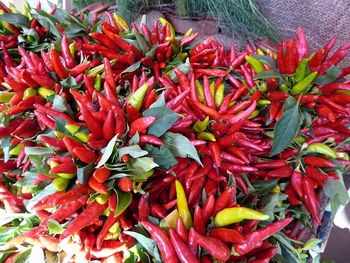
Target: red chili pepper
[206, 110]
[292, 196]
[67, 56]
[318, 162]
[164, 244]
[253, 239]
[296, 182]
[182, 250]
[309, 199]
[227, 235]
[213, 246]
[150, 139]
[178, 100]
[315, 174]
[85, 155]
[227, 197]
[141, 124]
[282, 172]
[57, 65]
[208, 208]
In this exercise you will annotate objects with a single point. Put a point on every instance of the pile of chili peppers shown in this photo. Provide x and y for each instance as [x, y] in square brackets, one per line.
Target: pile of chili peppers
[135, 144]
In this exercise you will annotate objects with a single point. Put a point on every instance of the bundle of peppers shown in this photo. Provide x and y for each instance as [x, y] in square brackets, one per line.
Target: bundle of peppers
[131, 144]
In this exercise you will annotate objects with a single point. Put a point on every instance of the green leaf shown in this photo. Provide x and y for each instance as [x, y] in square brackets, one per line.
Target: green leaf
[142, 43]
[185, 68]
[286, 129]
[134, 151]
[70, 82]
[107, 151]
[165, 120]
[180, 146]
[135, 139]
[60, 104]
[23, 257]
[264, 187]
[38, 156]
[124, 200]
[16, 19]
[266, 60]
[5, 146]
[28, 179]
[332, 74]
[147, 243]
[83, 173]
[267, 74]
[141, 165]
[336, 191]
[270, 202]
[131, 68]
[45, 192]
[160, 102]
[47, 21]
[161, 156]
[311, 244]
[54, 227]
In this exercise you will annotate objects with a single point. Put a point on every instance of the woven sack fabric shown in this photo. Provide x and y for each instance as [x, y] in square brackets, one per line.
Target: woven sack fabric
[320, 20]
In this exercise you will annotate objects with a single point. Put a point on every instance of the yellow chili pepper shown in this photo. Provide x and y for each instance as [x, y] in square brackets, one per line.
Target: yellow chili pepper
[73, 129]
[17, 149]
[72, 49]
[182, 205]
[200, 126]
[207, 136]
[102, 198]
[28, 92]
[219, 95]
[97, 82]
[199, 90]
[346, 92]
[254, 114]
[255, 63]
[136, 98]
[233, 215]
[212, 89]
[322, 149]
[260, 52]
[121, 23]
[164, 22]
[45, 92]
[188, 33]
[264, 102]
[170, 220]
[6, 96]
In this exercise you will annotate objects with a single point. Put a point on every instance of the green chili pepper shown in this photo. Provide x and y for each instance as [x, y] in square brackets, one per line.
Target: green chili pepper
[219, 95]
[136, 98]
[102, 198]
[264, 102]
[303, 84]
[260, 52]
[60, 184]
[97, 82]
[283, 87]
[182, 205]
[6, 96]
[28, 92]
[207, 136]
[301, 70]
[100, 68]
[200, 126]
[255, 63]
[200, 92]
[254, 114]
[72, 49]
[322, 149]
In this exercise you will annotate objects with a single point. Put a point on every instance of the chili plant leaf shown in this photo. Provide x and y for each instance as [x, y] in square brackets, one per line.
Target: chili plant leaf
[332, 74]
[70, 82]
[286, 129]
[147, 243]
[124, 200]
[161, 156]
[23, 257]
[84, 172]
[47, 21]
[134, 151]
[16, 19]
[131, 68]
[180, 146]
[267, 74]
[160, 102]
[165, 119]
[54, 227]
[107, 151]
